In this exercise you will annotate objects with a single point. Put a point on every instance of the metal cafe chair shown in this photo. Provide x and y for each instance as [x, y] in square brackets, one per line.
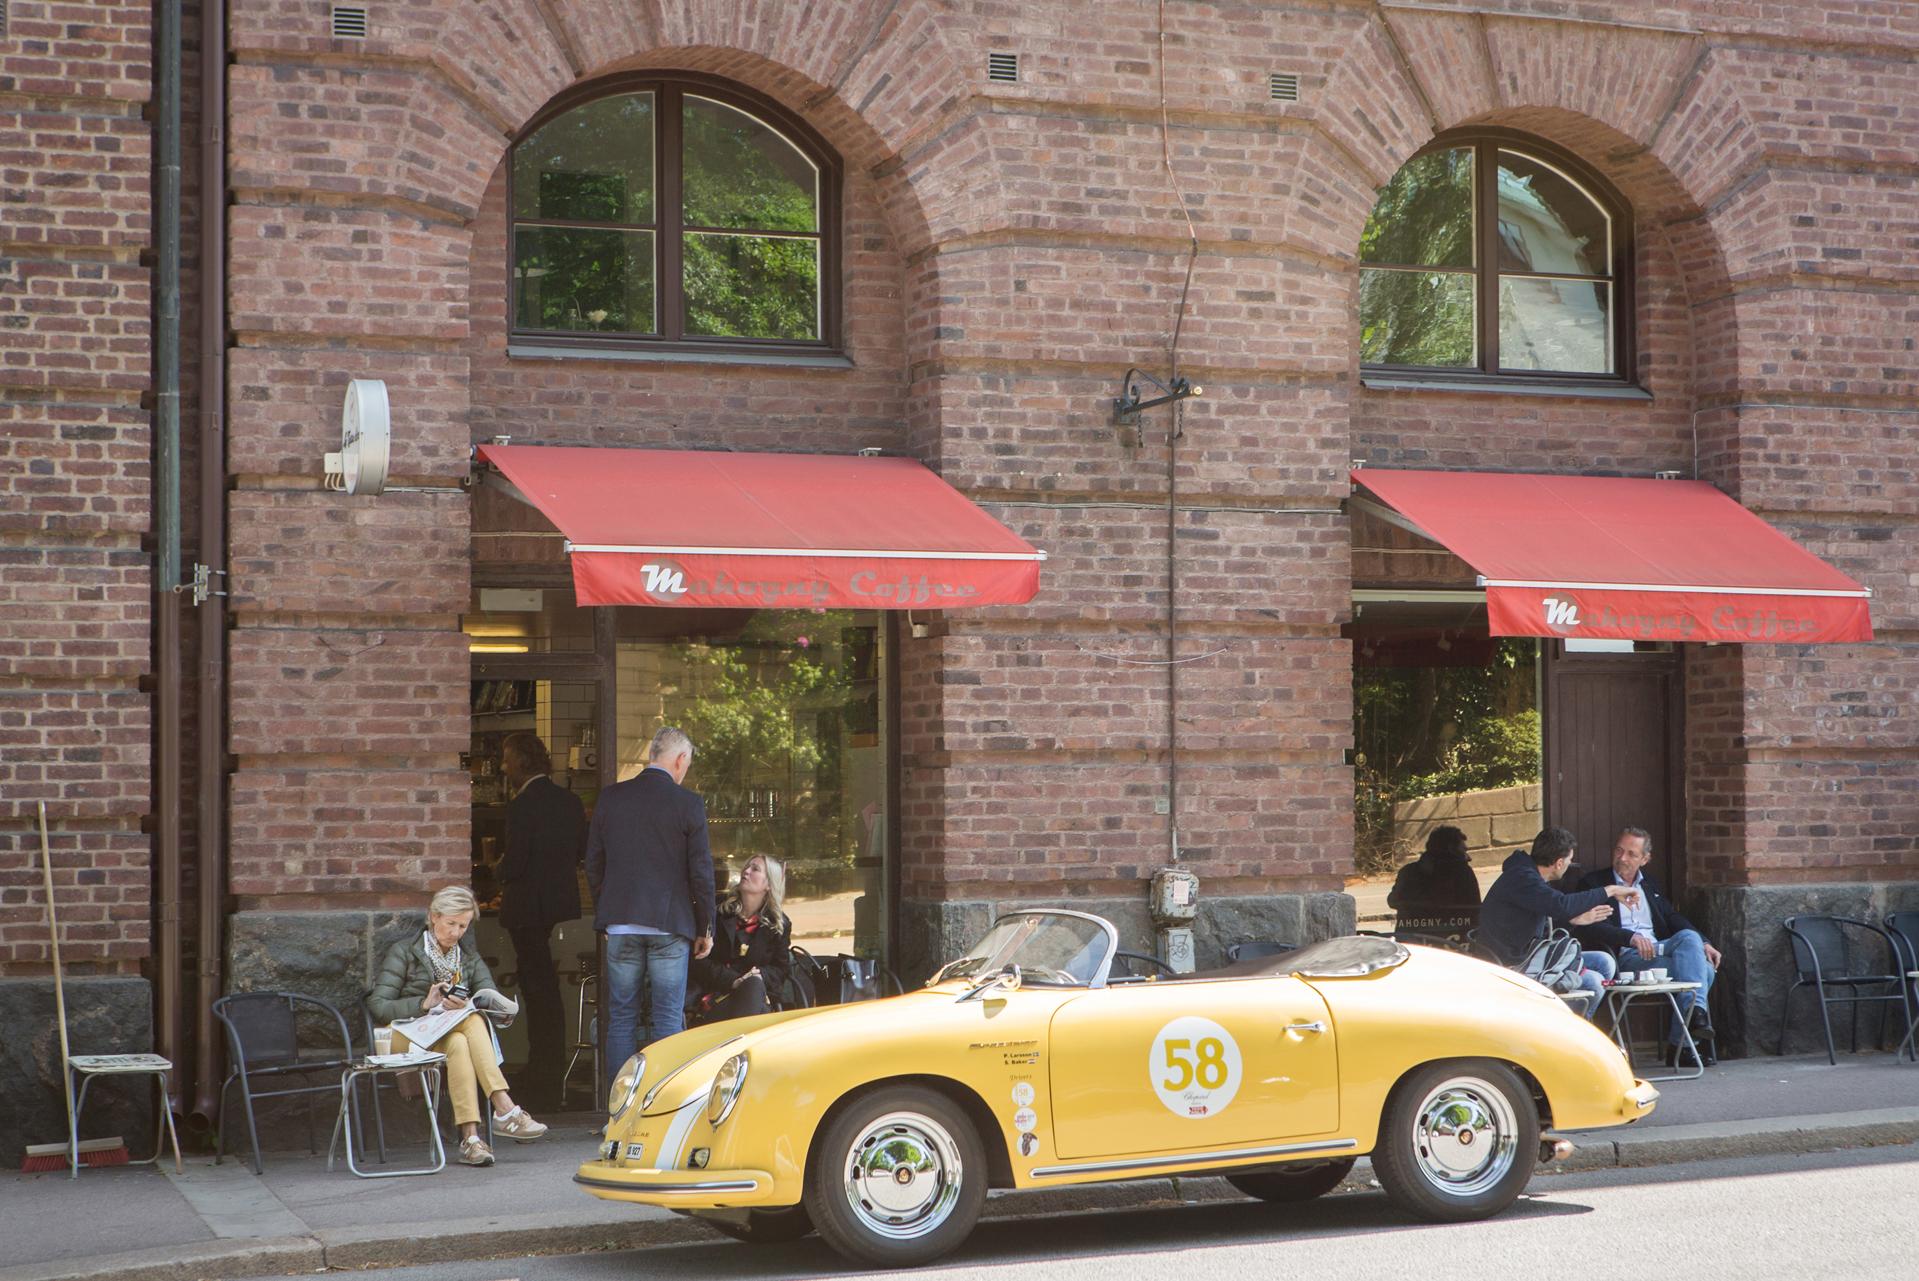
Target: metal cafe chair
[263, 1042]
[1840, 953]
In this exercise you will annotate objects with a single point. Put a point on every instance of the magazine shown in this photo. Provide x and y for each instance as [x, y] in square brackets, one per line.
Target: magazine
[428, 1028]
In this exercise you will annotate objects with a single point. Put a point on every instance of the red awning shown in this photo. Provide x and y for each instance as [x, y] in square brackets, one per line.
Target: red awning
[768, 531]
[1623, 559]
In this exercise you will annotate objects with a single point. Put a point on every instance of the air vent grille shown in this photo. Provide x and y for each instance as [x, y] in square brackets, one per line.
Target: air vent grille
[349, 22]
[1283, 86]
[1002, 66]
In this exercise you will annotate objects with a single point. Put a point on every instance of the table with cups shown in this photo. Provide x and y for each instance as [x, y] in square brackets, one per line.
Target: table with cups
[1631, 986]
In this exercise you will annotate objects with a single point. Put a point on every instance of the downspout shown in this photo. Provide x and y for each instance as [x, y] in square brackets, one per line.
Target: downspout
[168, 958]
[212, 861]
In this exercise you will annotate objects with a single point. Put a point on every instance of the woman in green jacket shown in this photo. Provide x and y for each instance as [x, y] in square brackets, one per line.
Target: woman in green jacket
[416, 976]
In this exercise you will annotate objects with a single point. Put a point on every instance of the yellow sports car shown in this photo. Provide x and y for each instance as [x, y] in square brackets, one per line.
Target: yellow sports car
[1028, 1064]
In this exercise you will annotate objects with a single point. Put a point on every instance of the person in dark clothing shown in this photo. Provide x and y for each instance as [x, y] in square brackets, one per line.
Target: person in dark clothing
[1522, 906]
[540, 888]
[1440, 882]
[651, 872]
[752, 948]
[1652, 933]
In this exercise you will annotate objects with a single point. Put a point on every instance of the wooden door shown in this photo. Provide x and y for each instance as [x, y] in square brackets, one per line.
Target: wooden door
[1612, 744]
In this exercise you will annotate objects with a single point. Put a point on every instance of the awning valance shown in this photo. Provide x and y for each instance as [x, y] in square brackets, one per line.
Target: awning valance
[1625, 559]
[767, 531]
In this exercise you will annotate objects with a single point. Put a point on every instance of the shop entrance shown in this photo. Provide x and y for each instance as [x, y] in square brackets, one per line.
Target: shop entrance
[1612, 748]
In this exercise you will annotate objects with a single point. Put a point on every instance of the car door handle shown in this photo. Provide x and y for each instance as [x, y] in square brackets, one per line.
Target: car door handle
[1314, 1026]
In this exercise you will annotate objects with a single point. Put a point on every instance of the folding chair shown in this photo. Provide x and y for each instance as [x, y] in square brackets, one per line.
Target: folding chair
[377, 1082]
[1904, 930]
[1833, 952]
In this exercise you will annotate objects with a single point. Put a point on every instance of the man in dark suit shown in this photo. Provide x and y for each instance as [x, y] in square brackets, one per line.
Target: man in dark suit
[540, 888]
[651, 873]
[1650, 933]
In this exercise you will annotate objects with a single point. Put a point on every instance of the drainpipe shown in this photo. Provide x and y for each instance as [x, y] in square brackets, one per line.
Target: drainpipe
[212, 862]
[168, 960]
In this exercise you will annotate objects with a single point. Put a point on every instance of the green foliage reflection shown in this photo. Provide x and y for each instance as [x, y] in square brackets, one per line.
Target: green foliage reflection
[1424, 216]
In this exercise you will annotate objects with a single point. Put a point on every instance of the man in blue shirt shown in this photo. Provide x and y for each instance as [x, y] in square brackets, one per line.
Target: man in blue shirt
[651, 872]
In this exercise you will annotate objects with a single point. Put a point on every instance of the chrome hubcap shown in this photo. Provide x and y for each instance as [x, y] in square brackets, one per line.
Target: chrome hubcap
[1466, 1138]
[902, 1175]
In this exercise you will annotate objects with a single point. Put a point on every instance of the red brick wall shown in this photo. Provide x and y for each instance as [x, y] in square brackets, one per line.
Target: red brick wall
[1010, 250]
[74, 478]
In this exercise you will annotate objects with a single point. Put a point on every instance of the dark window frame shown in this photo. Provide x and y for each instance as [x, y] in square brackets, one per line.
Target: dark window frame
[1487, 375]
[668, 293]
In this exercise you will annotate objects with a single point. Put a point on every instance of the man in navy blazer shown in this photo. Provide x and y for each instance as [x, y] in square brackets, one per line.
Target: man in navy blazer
[651, 872]
[539, 889]
[1650, 932]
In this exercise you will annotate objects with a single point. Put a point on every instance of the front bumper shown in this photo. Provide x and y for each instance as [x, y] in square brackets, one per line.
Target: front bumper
[1639, 1100]
[678, 1189]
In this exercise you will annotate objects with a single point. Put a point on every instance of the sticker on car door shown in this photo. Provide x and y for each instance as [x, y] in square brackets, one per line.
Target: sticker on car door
[1195, 1067]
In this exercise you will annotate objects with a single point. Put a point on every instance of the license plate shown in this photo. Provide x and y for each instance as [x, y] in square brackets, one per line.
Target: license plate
[634, 1151]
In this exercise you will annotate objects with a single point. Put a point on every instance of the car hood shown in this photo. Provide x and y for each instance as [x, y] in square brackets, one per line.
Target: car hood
[691, 1058]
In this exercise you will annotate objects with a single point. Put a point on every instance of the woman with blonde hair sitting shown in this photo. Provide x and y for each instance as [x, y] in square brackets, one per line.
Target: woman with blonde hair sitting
[425, 972]
[746, 971]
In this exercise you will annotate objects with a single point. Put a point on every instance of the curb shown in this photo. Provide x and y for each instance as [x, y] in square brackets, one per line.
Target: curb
[481, 1239]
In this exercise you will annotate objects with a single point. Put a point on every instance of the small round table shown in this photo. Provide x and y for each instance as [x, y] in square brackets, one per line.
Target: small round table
[427, 1064]
[1619, 998]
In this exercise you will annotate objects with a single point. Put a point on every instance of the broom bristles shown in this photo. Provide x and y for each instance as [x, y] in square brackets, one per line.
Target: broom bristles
[42, 1157]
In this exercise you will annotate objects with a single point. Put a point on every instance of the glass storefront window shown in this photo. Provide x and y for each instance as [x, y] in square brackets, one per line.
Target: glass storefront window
[785, 712]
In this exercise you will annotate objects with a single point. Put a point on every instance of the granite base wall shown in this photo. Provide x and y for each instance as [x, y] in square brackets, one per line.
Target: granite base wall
[1746, 923]
[932, 933]
[104, 1016]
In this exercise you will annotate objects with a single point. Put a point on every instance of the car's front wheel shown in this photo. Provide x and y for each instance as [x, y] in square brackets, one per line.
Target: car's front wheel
[898, 1178]
[1457, 1141]
[1293, 1182]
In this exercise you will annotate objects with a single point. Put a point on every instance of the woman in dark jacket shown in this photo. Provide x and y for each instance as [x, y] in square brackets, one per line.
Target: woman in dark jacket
[423, 972]
[746, 971]
[1439, 882]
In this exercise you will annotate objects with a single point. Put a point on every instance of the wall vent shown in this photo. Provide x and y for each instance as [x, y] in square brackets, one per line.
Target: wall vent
[349, 22]
[1002, 66]
[1283, 86]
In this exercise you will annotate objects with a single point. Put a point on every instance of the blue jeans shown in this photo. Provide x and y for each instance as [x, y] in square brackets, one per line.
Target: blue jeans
[1599, 967]
[1684, 954]
[649, 964]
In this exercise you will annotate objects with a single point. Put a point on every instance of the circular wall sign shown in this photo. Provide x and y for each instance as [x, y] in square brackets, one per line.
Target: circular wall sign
[1195, 1067]
[366, 436]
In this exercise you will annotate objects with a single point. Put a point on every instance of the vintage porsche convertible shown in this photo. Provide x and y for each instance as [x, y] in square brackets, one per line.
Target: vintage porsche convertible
[1028, 1063]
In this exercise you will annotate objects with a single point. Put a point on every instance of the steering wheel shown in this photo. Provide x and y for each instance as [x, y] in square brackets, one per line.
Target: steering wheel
[1158, 967]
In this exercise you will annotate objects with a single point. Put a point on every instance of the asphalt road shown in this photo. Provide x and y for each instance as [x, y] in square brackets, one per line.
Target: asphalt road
[1841, 1214]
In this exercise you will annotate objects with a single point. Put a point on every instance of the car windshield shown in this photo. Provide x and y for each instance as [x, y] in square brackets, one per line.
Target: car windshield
[1048, 947]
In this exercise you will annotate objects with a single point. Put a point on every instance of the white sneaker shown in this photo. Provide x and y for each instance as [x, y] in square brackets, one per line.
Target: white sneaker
[474, 1151]
[518, 1125]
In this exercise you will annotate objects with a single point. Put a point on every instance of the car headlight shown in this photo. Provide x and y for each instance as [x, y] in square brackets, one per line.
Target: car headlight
[726, 1089]
[625, 1085]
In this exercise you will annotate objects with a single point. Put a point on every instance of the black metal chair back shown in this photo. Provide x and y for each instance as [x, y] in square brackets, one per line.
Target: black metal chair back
[263, 1041]
[1849, 955]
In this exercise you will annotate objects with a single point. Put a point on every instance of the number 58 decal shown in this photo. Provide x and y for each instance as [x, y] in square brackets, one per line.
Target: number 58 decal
[1195, 1067]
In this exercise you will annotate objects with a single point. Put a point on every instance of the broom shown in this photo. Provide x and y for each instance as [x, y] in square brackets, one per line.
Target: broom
[42, 1157]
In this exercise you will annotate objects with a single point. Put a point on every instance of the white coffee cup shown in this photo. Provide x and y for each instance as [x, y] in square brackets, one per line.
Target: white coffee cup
[1659, 976]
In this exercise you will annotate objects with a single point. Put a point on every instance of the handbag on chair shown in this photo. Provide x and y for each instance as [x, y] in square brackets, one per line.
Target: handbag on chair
[1555, 962]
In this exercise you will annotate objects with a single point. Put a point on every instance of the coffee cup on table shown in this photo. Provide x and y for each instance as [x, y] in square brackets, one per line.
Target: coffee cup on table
[383, 1040]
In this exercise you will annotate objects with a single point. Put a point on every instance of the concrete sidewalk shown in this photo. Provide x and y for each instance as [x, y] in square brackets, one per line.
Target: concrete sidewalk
[223, 1221]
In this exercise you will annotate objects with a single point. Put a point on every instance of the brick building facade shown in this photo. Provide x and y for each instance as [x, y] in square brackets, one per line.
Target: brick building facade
[1009, 250]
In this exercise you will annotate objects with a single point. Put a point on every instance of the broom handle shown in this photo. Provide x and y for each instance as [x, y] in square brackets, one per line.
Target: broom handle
[53, 937]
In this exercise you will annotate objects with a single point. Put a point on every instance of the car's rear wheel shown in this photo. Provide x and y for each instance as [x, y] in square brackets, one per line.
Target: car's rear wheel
[762, 1227]
[898, 1178]
[1457, 1141]
[1290, 1183]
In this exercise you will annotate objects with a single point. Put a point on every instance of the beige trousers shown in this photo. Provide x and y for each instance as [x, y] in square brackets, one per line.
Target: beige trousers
[470, 1066]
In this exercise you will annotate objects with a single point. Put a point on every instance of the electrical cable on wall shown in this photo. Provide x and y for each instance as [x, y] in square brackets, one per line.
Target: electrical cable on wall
[1172, 469]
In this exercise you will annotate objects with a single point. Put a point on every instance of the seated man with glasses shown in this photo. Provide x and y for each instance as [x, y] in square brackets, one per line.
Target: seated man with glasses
[1648, 932]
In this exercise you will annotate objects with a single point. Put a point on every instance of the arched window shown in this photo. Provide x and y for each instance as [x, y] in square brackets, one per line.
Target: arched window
[680, 214]
[1496, 258]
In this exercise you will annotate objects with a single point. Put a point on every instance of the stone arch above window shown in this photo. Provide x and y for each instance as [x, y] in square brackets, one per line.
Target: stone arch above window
[1496, 259]
[679, 214]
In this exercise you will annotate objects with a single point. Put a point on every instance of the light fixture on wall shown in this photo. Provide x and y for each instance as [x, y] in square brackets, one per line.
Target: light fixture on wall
[496, 647]
[1128, 405]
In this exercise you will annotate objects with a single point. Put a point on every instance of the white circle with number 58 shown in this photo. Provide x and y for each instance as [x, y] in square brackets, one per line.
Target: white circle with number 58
[1195, 1067]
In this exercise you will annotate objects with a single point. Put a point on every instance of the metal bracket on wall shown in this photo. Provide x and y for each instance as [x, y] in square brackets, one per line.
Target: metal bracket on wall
[202, 584]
